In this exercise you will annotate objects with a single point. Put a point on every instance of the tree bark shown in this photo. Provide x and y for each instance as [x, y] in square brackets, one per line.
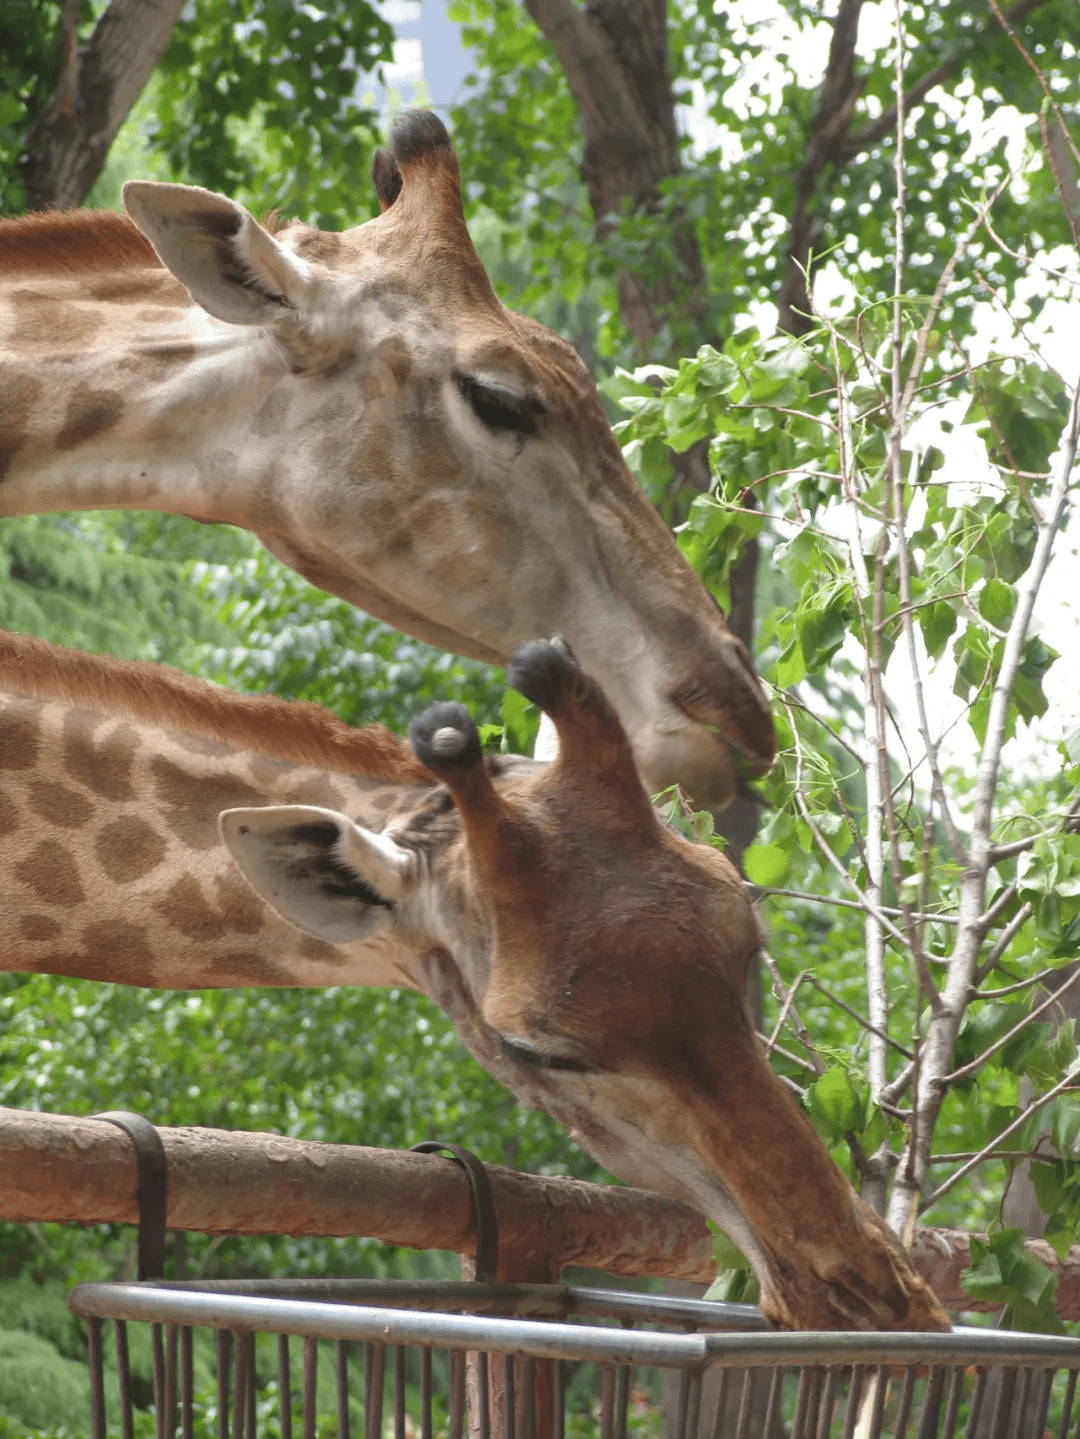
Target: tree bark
[69, 139]
[615, 57]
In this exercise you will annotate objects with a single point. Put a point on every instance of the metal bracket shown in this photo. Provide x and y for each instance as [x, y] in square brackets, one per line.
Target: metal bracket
[483, 1204]
[153, 1190]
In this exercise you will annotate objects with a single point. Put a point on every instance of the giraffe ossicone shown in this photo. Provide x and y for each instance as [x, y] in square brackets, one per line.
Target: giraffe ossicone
[591, 960]
[364, 403]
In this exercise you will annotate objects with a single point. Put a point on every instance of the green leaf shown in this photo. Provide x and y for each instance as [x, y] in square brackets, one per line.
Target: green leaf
[834, 1100]
[765, 864]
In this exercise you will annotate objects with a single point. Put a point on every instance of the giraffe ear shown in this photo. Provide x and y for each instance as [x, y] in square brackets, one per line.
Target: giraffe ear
[319, 871]
[231, 266]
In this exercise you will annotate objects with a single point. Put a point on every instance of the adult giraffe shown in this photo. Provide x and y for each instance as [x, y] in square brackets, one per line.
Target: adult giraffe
[591, 960]
[365, 404]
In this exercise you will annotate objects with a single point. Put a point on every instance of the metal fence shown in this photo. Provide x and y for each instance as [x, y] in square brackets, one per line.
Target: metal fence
[422, 1360]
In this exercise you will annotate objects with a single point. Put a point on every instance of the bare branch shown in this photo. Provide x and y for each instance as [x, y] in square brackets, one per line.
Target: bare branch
[1067, 1086]
[847, 903]
[977, 1063]
[1001, 944]
[835, 999]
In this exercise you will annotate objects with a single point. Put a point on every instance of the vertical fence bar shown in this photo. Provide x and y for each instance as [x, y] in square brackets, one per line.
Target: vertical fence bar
[802, 1401]
[607, 1402]
[1042, 1403]
[284, 1387]
[622, 1400]
[720, 1412]
[374, 1371]
[693, 1405]
[457, 1393]
[483, 1395]
[97, 1378]
[187, 1384]
[952, 1402]
[907, 1397]
[171, 1385]
[426, 1431]
[1066, 1404]
[746, 1404]
[223, 1347]
[509, 1398]
[157, 1351]
[978, 1394]
[828, 1404]
[1023, 1395]
[399, 1391]
[249, 1410]
[311, 1385]
[1006, 1387]
[851, 1413]
[558, 1378]
[123, 1375]
[527, 1427]
[341, 1371]
[241, 1383]
[931, 1405]
[773, 1403]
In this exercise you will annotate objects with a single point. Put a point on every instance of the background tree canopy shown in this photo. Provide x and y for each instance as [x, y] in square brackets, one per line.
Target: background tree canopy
[655, 181]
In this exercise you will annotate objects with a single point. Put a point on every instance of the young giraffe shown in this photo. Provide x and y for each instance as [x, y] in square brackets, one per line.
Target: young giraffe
[591, 960]
[365, 404]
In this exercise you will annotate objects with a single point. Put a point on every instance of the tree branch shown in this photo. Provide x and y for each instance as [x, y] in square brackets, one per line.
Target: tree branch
[70, 136]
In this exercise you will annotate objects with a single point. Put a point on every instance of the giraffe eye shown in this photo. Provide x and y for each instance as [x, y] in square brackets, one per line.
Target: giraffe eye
[499, 409]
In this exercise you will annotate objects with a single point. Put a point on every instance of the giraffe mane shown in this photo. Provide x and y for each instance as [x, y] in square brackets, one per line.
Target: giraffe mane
[283, 729]
[71, 242]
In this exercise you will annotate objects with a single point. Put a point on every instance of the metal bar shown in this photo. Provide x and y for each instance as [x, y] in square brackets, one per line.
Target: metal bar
[249, 1411]
[720, 1412]
[814, 1402]
[284, 1385]
[881, 1395]
[693, 1405]
[483, 1397]
[802, 1399]
[558, 1380]
[684, 1399]
[311, 1385]
[746, 1404]
[931, 1408]
[527, 1427]
[1066, 1405]
[426, 1431]
[157, 1354]
[772, 1408]
[97, 1379]
[566, 1341]
[341, 1368]
[1042, 1404]
[374, 1375]
[1023, 1394]
[171, 1385]
[952, 1402]
[245, 1341]
[907, 1397]
[457, 1394]
[510, 1415]
[978, 1394]
[607, 1404]
[187, 1384]
[828, 1404]
[123, 1375]
[223, 1346]
[622, 1399]
[1006, 1387]
[399, 1391]
[851, 1413]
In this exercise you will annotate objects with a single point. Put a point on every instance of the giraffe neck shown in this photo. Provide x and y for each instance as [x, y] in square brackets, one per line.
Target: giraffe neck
[112, 776]
[118, 390]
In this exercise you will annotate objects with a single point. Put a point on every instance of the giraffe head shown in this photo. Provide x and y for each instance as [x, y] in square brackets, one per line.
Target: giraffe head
[365, 404]
[595, 961]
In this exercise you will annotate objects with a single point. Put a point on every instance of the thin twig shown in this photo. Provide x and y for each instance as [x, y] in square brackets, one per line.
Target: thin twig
[847, 903]
[1001, 944]
[796, 1019]
[873, 1029]
[1018, 986]
[977, 1063]
[1066, 1086]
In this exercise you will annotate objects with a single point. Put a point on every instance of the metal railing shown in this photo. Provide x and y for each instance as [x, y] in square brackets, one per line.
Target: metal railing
[512, 1350]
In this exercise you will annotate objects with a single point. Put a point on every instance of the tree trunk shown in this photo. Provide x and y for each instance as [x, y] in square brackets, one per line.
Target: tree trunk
[69, 139]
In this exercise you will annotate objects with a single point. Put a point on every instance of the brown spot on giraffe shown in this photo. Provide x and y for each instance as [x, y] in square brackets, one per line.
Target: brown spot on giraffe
[21, 394]
[10, 818]
[59, 804]
[192, 805]
[89, 412]
[41, 321]
[237, 906]
[131, 958]
[185, 908]
[315, 791]
[39, 928]
[104, 767]
[51, 871]
[129, 848]
[19, 750]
